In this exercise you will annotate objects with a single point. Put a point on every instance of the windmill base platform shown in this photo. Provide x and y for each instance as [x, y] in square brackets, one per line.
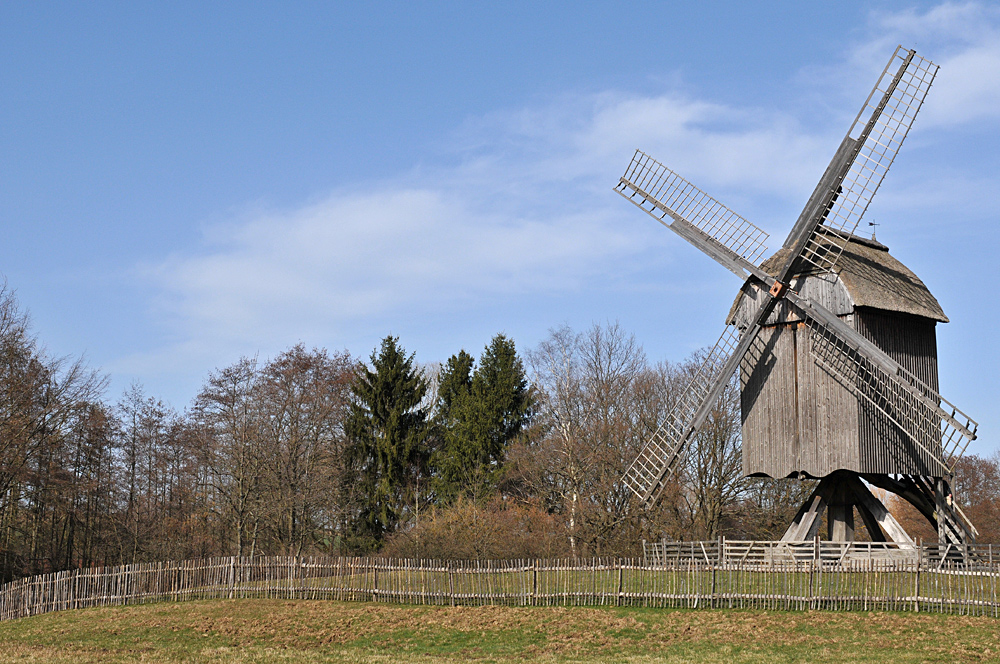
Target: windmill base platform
[840, 493]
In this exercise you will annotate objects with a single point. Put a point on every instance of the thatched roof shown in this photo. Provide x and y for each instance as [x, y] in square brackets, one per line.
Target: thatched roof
[873, 278]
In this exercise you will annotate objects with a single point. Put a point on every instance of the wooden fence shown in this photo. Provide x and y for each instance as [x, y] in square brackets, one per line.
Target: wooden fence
[774, 582]
[725, 551]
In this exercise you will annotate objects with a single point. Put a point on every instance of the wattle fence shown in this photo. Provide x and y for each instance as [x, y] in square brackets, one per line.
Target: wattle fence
[722, 574]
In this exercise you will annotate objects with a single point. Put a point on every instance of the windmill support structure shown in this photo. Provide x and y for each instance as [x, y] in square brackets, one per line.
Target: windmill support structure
[832, 337]
[839, 494]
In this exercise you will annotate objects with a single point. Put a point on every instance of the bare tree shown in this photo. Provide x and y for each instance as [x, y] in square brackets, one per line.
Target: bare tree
[600, 404]
[594, 393]
[304, 397]
[144, 424]
[713, 473]
[233, 449]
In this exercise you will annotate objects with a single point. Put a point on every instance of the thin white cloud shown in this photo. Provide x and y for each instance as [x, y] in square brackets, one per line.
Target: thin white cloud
[353, 256]
[964, 39]
[586, 138]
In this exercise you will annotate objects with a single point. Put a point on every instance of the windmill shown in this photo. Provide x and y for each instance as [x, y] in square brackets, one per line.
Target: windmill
[833, 339]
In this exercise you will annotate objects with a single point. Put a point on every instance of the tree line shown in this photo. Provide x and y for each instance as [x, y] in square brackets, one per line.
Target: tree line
[508, 455]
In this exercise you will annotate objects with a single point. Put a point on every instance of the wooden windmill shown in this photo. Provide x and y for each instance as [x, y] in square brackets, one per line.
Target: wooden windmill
[834, 340]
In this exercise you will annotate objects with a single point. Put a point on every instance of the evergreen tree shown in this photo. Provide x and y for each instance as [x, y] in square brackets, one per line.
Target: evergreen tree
[480, 412]
[501, 388]
[387, 433]
[450, 459]
[454, 382]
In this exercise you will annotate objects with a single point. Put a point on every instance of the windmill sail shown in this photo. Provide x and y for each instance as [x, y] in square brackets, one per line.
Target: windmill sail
[662, 193]
[873, 142]
[665, 449]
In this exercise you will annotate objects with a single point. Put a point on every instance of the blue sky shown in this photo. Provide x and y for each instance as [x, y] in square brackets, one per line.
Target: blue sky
[183, 184]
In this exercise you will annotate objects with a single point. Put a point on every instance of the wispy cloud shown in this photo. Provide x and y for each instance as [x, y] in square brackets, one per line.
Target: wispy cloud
[356, 255]
[527, 209]
[964, 38]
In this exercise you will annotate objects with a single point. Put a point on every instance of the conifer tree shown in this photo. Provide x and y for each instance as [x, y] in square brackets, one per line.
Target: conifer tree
[501, 388]
[387, 433]
[454, 382]
[480, 413]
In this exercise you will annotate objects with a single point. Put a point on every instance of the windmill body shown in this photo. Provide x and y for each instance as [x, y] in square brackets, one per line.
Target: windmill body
[832, 337]
[799, 420]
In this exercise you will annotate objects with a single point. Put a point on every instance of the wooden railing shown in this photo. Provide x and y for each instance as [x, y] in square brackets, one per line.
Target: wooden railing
[778, 583]
[745, 552]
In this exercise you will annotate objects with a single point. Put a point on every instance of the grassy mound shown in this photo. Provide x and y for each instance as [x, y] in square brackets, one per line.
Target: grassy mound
[319, 631]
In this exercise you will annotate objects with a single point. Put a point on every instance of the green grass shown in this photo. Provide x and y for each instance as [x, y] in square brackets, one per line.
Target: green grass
[322, 631]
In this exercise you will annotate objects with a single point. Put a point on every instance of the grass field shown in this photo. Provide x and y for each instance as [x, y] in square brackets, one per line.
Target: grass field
[320, 631]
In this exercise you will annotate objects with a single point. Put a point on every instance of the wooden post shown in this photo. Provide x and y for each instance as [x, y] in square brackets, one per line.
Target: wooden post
[621, 582]
[300, 562]
[534, 583]
[812, 574]
[712, 598]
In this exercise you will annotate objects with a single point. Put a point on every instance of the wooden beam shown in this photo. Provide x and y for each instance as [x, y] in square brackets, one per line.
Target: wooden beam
[806, 523]
[885, 520]
[871, 524]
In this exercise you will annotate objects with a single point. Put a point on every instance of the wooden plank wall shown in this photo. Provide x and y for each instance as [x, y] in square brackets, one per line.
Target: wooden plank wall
[828, 414]
[911, 341]
[768, 404]
[797, 417]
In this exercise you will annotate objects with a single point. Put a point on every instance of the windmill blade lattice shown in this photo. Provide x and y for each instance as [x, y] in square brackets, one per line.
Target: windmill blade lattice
[940, 430]
[665, 449]
[877, 133]
[662, 193]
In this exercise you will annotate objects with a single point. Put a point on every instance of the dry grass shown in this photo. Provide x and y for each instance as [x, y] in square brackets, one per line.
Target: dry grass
[318, 631]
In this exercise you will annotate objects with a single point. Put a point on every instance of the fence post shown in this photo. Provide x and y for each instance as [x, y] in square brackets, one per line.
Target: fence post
[711, 601]
[812, 574]
[451, 582]
[621, 581]
[125, 585]
[720, 560]
[301, 562]
[534, 583]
